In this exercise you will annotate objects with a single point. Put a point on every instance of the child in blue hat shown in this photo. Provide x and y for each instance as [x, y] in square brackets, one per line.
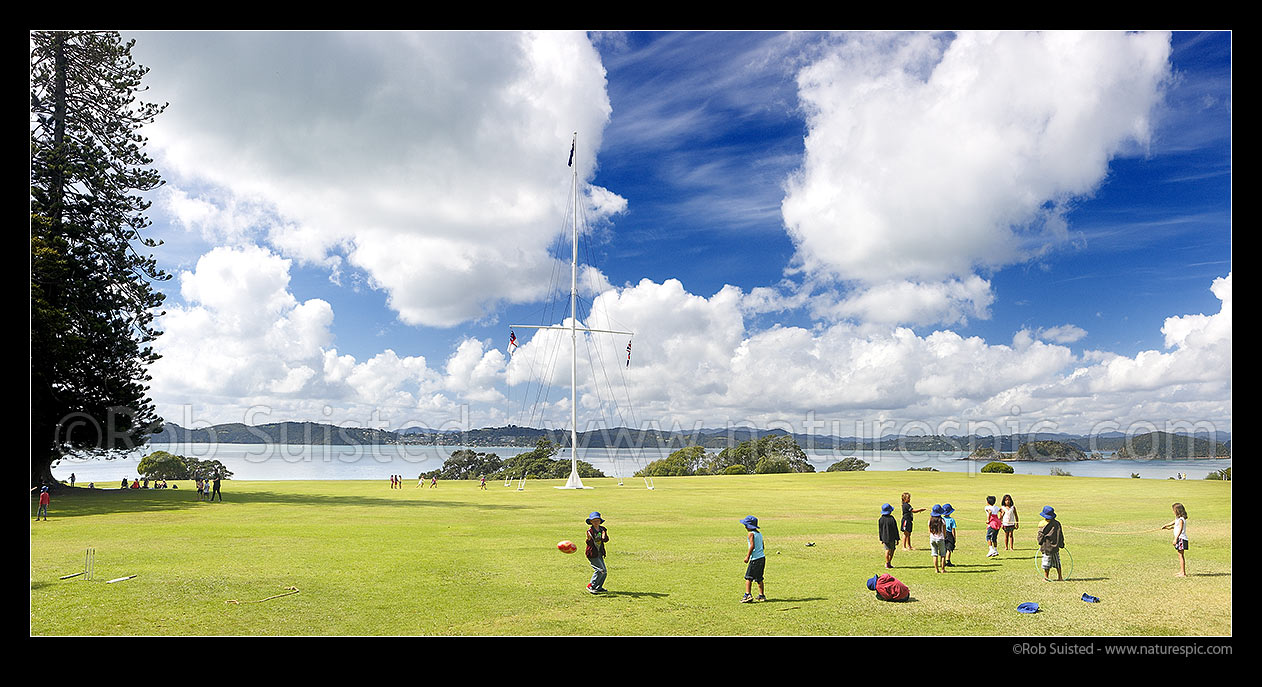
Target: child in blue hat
[597, 535]
[756, 559]
[887, 532]
[937, 539]
[949, 523]
[1051, 539]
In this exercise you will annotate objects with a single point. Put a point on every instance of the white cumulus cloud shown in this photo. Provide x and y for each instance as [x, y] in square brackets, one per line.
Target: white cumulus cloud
[434, 161]
[929, 157]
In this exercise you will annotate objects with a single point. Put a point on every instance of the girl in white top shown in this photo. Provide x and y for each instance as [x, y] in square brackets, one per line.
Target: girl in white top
[1180, 527]
[1008, 513]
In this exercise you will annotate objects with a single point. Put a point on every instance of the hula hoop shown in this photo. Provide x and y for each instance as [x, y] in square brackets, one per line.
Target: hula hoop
[1065, 557]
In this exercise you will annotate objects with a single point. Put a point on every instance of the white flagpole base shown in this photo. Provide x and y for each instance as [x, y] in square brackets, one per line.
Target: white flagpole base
[574, 482]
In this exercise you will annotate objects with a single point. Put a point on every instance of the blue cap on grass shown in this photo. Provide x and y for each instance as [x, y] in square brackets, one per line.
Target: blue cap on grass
[1028, 607]
[872, 583]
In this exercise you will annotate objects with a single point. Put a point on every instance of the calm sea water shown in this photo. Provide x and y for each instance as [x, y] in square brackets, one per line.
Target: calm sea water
[303, 462]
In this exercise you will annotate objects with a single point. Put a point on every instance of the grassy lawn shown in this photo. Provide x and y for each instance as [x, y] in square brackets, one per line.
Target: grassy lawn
[456, 560]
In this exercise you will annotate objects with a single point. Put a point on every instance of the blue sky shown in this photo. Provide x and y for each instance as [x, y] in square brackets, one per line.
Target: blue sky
[352, 233]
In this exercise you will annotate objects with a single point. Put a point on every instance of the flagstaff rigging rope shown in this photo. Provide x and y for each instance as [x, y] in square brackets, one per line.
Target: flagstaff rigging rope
[1082, 529]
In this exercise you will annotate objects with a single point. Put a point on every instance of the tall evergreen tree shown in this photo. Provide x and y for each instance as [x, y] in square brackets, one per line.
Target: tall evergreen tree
[92, 292]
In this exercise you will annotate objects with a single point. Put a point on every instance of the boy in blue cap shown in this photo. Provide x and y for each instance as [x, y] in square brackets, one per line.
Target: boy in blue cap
[949, 521]
[1051, 539]
[756, 559]
[597, 535]
[887, 532]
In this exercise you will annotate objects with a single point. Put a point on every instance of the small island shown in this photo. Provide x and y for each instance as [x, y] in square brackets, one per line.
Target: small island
[1034, 451]
[987, 453]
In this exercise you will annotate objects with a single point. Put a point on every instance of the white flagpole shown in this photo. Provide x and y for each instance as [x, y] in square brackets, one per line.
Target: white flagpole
[574, 482]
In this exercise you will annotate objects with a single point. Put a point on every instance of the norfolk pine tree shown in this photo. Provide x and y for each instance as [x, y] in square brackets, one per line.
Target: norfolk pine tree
[92, 294]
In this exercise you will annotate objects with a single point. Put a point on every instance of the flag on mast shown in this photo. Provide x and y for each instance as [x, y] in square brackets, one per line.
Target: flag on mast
[571, 162]
[628, 354]
[512, 343]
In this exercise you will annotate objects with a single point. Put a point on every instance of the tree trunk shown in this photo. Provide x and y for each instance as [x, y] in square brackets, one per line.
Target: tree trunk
[42, 472]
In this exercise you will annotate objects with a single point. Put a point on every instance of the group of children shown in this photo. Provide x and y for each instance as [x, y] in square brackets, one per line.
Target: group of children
[1050, 538]
[1003, 516]
[941, 532]
[942, 527]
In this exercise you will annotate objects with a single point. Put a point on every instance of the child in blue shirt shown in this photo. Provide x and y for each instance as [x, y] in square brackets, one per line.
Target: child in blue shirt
[949, 521]
[756, 559]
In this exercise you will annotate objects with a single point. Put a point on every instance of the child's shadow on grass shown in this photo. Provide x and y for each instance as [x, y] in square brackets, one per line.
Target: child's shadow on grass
[1209, 575]
[793, 601]
[636, 595]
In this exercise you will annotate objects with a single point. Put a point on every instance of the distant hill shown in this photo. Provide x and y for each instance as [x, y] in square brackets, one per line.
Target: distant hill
[275, 433]
[1056, 446]
[1165, 445]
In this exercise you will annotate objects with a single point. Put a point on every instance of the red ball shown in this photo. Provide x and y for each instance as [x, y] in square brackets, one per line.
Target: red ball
[567, 547]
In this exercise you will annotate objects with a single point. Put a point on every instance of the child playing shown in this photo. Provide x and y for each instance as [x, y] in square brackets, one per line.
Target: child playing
[937, 539]
[597, 535]
[992, 526]
[1051, 539]
[888, 588]
[1180, 527]
[756, 559]
[44, 499]
[949, 523]
[907, 520]
[887, 532]
[1008, 510]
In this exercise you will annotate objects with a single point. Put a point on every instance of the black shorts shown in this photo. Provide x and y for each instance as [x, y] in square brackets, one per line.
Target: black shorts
[754, 571]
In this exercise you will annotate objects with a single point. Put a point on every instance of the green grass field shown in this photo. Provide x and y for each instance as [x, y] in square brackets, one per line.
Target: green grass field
[455, 560]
